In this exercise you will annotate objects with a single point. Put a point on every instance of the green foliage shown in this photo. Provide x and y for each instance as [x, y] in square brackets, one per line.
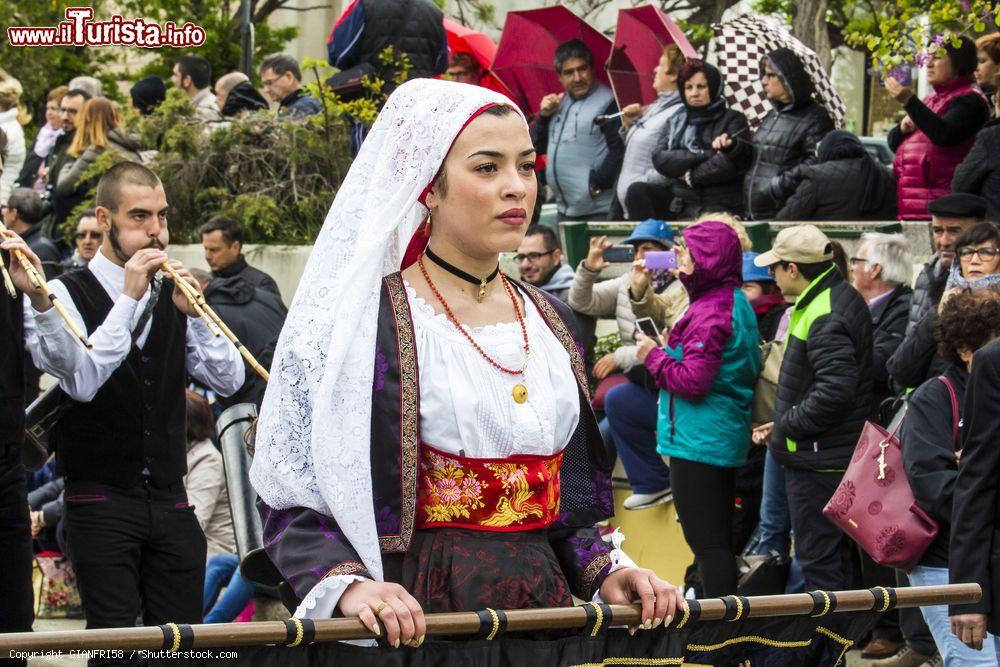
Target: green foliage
[905, 32]
[220, 19]
[606, 345]
[473, 13]
[276, 175]
[40, 69]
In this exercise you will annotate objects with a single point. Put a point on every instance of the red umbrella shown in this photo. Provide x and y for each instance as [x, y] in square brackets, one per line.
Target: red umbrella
[641, 34]
[524, 59]
[481, 47]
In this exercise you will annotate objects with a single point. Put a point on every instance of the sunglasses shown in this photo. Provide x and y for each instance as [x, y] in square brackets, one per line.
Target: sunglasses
[97, 236]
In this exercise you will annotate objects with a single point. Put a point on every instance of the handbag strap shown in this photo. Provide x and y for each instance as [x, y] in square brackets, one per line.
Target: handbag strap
[955, 418]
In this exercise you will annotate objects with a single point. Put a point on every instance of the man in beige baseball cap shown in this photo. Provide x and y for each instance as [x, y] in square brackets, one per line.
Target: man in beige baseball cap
[795, 248]
[823, 396]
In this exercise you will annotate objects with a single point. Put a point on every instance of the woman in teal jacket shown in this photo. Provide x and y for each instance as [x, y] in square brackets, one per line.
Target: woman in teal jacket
[706, 373]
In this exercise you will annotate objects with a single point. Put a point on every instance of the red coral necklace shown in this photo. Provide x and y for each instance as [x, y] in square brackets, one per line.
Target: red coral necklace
[520, 392]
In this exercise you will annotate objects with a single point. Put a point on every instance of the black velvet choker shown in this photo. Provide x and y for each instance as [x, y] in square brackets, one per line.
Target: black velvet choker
[459, 273]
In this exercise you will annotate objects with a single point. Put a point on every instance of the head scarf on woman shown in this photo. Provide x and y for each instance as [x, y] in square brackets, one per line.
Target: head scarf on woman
[684, 128]
[314, 433]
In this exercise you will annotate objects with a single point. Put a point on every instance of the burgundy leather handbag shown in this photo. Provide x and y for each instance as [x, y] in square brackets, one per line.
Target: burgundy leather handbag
[874, 504]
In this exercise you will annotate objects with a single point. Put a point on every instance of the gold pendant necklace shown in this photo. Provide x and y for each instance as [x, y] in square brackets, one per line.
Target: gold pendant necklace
[520, 393]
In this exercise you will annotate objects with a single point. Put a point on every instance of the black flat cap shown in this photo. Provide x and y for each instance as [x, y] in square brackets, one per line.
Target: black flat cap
[958, 205]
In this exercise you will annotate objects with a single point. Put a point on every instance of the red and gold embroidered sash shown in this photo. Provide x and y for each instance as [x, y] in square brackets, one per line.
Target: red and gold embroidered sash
[516, 493]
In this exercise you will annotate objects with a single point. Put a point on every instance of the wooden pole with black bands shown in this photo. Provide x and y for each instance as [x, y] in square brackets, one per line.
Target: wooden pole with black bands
[489, 623]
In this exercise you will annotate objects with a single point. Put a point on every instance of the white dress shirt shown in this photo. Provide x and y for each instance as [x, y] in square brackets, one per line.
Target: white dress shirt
[213, 361]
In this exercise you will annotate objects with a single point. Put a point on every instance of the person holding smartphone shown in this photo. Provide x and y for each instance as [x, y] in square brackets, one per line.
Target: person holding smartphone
[706, 370]
[629, 403]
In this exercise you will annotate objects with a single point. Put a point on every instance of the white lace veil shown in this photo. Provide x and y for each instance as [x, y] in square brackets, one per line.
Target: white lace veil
[313, 436]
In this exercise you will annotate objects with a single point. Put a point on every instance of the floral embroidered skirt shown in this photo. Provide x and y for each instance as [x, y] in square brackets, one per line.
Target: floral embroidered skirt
[455, 569]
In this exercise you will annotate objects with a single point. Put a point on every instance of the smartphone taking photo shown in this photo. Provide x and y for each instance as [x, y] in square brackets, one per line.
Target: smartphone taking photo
[660, 260]
[619, 254]
[647, 326]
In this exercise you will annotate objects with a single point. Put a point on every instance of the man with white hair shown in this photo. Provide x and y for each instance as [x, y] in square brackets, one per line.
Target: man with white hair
[93, 87]
[881, 273]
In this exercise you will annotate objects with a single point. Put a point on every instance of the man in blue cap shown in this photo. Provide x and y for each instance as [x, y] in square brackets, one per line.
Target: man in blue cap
[633, 405]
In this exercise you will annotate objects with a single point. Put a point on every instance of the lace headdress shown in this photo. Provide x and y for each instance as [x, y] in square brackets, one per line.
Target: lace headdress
[314, 433]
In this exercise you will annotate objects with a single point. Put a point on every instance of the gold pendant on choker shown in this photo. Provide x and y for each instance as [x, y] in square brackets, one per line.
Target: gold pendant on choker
[520, 393]
[482, 291]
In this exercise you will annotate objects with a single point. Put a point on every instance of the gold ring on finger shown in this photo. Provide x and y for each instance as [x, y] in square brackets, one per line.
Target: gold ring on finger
[380, 606]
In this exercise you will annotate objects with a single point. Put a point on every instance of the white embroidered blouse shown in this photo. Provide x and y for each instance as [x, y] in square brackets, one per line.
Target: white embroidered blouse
[466, 405]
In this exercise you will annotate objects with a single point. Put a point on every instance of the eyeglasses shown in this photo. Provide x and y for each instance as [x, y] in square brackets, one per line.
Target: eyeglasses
[267, 83]
[97, 236]
[531, 256]
[984, 253]
[855, 260]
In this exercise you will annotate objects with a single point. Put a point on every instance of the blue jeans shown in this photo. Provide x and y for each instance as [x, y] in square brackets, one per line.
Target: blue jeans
[775, 522]
[952, 650]
[225, 571]
[632, 414]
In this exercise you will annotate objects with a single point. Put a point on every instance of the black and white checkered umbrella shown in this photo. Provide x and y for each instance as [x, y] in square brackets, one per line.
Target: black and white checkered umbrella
[742, 43]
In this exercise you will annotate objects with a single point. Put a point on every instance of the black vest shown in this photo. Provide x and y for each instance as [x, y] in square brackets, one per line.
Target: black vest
[137, 419]
[11, 368]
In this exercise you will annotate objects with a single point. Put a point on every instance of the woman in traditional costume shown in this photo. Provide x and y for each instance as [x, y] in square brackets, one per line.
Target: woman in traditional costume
[426, 442]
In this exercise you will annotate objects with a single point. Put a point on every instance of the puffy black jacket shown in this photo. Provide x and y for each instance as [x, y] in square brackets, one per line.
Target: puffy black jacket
[829, 191]
[825, 387]
[979, 173]
[256, 315]
[716, 177]
[786, 138]
[889, 318]
[412, 26]
[927, 437]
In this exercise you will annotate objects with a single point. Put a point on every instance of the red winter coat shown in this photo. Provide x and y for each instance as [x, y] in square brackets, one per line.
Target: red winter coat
[924, 169]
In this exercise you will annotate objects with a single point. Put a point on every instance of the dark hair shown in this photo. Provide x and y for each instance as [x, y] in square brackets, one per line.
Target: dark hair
[810, 271]
[574, 48]
[197, 68]
[200, 425]
[839, 259]
[279, 63]
[78, 92]
[232, 230]
[88, 213]
[964, 57]
[28, 203]
[984, 232]
[969, 320]
[694, 66]
[109, 188]
[466, 60]
[548, 235]
[440, 182]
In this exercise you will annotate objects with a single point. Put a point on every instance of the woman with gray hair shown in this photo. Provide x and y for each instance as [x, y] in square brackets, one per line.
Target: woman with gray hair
[881, 273]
